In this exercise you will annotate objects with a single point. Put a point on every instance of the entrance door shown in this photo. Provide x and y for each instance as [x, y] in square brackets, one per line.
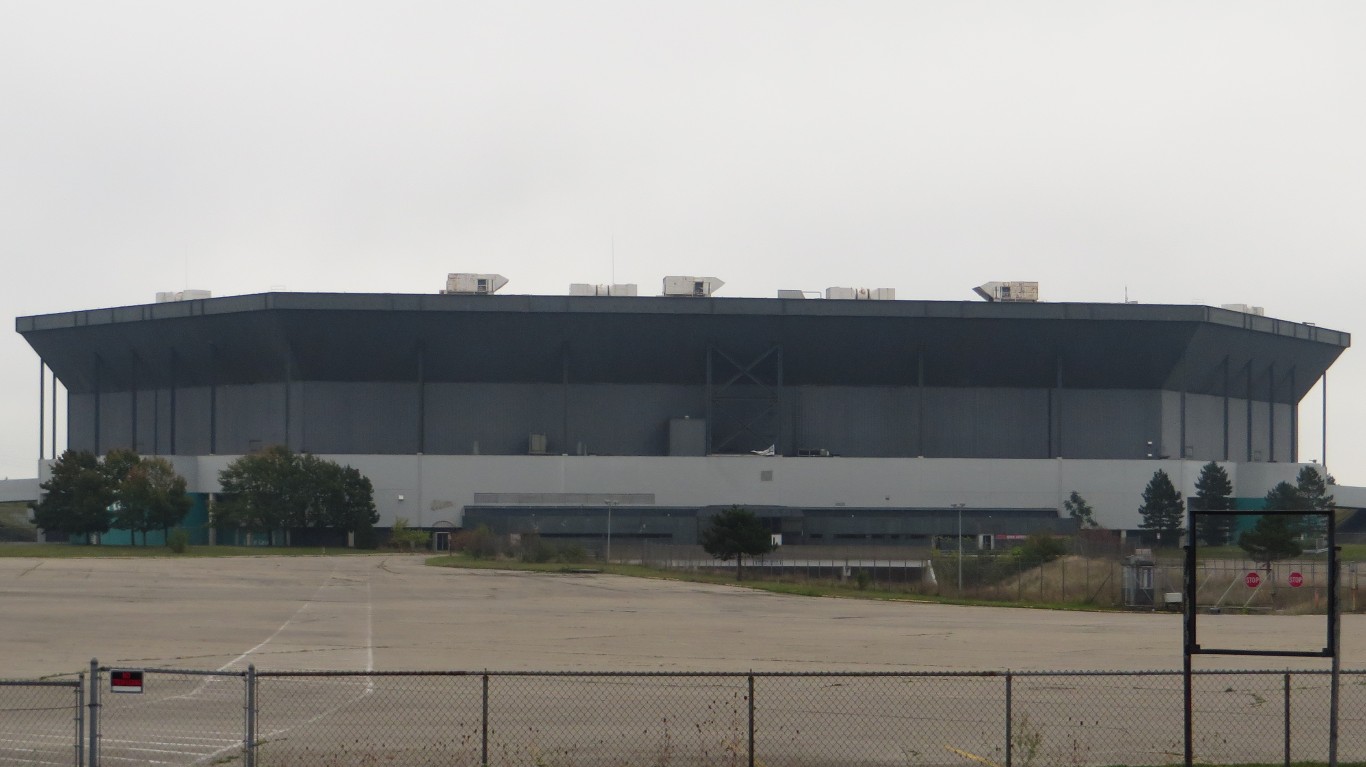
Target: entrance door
[443, 541]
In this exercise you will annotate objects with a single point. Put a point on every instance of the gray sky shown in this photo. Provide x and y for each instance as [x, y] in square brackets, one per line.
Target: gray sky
[1187, 152]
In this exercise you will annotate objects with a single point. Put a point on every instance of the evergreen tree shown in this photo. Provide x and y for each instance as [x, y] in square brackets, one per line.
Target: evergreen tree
[1313, 491]
[1078, 509]
[1274, 537]
[1163, 510]
[1213, 492]
[734, 534]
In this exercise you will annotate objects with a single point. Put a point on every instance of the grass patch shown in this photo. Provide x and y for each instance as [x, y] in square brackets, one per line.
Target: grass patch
[794, 588]
[72, 551]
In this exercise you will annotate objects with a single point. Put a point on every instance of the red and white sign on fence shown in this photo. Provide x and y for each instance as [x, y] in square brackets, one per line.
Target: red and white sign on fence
[1296, 580]
[1253, 580]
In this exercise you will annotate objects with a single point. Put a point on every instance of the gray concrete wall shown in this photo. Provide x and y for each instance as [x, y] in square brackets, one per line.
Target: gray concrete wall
[18, 490]
[434, 489]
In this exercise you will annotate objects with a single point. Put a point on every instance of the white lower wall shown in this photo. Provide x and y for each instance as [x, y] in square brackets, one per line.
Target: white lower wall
[428, 490]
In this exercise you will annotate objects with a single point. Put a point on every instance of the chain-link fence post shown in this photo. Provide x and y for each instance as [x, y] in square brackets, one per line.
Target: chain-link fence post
[1010, 715]
[484, 725]
[93, 752]
[249, 735]
[80, 719]
[751, 719]
[1287, 719]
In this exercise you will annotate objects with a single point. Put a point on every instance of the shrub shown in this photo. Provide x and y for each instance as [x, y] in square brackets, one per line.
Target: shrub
[479, 543]
[403, 537]
[1039, 548]
[178, 541]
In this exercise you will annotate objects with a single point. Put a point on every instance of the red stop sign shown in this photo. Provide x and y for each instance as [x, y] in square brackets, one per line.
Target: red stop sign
[1296, 580]
[1253, 580]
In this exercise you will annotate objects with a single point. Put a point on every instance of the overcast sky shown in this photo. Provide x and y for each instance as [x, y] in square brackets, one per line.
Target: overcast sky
[1184, 152]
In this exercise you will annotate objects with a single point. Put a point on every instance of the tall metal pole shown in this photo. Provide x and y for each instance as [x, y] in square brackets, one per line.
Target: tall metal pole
[42, 410]
[1324, 430]
[959, 508]
[608, 555]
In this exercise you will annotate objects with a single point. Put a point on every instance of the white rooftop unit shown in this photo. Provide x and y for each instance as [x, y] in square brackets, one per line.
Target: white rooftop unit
[183, 295]
[474, 284]
[1245, 309]
[1009, 292]
[861, 294]
[585, 289]
[701, 287]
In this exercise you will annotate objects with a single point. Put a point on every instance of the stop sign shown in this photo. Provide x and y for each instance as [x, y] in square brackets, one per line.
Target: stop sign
[1296, 580]
[1253, 580]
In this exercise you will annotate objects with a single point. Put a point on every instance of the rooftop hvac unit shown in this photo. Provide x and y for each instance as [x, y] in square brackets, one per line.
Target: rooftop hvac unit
[1009, 292]
[861, 294]
[1245, 309]
[183, 295]
[474, 284]
[701, 287]
[585, 289]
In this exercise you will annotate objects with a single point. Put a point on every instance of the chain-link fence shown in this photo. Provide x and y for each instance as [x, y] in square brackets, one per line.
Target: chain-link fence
[42, 722]
[501, 719]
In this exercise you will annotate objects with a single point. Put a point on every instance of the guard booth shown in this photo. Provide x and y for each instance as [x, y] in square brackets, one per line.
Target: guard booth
[1139, 572]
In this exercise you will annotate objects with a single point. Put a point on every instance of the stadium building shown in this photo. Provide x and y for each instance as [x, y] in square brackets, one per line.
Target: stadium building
[839, 419]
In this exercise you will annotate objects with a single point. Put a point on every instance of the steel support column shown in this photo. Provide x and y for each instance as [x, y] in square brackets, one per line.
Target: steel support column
[1271, 412]
[213, 400]
[42, 407]
[133, 401]
[1294, 421]
[920, 401]
[174, 372]
[421, 398]
[1226, 407]
[98, 396]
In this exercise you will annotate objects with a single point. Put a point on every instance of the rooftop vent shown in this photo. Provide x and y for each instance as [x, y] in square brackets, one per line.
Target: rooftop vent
[182, 295]
[1009, 292]
[799, 293]
[861, 294]
[1245, 309]
[474, 284]
[701, 287]
[585, 289]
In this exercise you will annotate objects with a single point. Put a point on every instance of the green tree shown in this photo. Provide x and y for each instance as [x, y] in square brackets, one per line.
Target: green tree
[1274, 537]
[337, 497]
[1213, 492]
[734, 534]
[1313, 491]
[262, 492]
[151, 496]
[76, 498]
[1078, 509]
[402, 536]
[1283, 497]
[1163, 510]
[276, 489]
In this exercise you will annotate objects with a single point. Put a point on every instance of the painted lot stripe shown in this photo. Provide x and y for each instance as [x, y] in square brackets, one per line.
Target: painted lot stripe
[30, 759]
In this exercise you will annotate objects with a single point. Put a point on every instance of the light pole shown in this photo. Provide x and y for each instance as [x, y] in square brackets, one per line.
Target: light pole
[608, 555]
[959, 508]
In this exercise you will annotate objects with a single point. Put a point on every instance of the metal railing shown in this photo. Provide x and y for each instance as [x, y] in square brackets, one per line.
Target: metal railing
[1005, 719]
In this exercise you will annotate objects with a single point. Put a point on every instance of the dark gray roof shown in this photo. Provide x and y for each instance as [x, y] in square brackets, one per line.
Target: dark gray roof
[345, 337]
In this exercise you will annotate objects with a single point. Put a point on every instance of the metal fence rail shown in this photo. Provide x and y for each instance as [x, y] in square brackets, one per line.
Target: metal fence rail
[42, 722]
[679, 719]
